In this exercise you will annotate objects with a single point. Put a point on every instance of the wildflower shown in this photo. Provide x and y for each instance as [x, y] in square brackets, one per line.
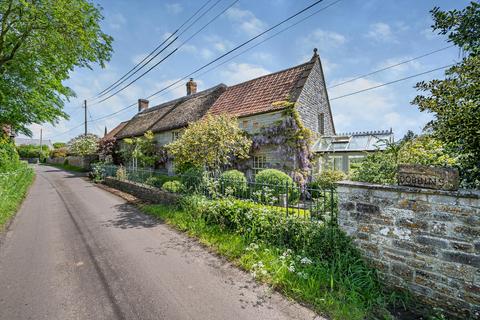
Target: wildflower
[291, 268]
[306, 261]
[302, 275]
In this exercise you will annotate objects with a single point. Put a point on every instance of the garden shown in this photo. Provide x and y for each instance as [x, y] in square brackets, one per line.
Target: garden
[283, 232]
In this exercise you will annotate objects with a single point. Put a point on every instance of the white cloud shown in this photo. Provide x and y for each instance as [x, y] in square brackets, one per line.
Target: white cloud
[323, 39]
[193, 50]
[381, 32]
[138, 58]
[401, 69]
[249, 23]
[373, 110]
[239, 72]
[218, 43]
[116, 21]
[174, 8]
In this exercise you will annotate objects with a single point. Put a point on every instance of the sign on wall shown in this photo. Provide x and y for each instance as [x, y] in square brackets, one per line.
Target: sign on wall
[440, 178]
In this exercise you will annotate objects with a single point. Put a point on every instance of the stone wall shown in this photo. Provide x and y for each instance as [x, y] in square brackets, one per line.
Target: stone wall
[426, 241]
[143, 192]
[313, 100]
[58, 160]
[83, 162]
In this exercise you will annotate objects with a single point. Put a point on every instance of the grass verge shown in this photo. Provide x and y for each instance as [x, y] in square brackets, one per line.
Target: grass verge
[340, 290]
[13, 188]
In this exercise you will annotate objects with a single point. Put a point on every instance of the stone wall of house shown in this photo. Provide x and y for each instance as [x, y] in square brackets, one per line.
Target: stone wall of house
[143, 192]
[426, 241]
[313, 100]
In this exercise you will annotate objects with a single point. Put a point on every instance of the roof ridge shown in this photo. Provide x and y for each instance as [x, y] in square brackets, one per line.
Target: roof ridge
[184, 98]
[271, 74]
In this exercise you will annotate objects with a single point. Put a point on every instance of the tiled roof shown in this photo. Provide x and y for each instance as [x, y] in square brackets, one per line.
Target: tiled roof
[172, 114]
[112, 133]
[258, 95]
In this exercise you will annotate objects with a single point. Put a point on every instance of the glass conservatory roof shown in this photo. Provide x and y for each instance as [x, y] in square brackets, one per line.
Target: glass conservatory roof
[354, 141]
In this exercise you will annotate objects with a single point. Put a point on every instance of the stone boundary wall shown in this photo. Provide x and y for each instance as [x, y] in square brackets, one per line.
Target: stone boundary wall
[142, 191]
[426, 241]
[83, 162]
[59, 160]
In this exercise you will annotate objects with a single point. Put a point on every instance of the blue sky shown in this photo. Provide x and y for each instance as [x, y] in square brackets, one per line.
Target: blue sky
[354, 37]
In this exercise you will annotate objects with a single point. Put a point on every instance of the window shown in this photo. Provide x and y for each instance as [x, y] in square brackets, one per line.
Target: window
[175, 135]
[321, 123]
[255, 125]
[259, 163]
[245, 124]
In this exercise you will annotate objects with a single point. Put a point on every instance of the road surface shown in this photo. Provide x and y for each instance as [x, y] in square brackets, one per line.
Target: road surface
[75, 251]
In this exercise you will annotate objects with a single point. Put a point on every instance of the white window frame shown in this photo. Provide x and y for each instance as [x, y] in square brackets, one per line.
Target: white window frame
[259, 163]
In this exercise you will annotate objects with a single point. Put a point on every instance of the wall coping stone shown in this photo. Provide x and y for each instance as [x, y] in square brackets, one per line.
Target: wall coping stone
[463, 193]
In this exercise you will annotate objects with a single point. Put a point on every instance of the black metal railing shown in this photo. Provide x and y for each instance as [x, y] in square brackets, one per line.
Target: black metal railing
[300, 201]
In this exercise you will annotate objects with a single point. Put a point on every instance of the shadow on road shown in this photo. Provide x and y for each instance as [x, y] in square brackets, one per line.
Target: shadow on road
[129, 217]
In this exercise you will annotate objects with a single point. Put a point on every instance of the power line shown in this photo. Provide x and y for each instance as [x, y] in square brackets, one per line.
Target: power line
[390, 82]
[335, 98]
[303, 19]
[391, 66]
[238, 47]
[181, 45]
[151, 55]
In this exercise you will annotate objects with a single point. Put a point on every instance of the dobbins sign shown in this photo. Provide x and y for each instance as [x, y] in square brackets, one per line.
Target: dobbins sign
[440, 178]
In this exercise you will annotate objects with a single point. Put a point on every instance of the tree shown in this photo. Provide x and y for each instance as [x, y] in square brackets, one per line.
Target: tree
[58, 145]
[83, 145]
[140, 150]
[210, 143]
[40, 43]
[455, 101]
[106, 149]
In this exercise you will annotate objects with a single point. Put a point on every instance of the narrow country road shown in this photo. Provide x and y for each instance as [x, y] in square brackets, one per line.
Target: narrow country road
[75, 251]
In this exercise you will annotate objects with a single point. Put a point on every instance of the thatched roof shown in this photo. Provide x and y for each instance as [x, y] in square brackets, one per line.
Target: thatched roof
[172, 114]
[112, 133]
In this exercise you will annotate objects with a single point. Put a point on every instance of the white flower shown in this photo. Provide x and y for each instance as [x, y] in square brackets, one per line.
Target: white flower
[291, 268]
[302, 275]
[305, 260]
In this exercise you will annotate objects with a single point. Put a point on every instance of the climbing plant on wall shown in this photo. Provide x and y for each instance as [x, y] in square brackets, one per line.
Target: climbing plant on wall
[292, 138]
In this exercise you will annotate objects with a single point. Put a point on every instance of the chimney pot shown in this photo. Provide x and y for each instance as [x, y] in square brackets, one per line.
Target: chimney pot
[142, 105]
[191, 87]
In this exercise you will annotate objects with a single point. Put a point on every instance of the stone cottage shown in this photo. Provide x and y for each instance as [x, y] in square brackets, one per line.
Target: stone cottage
[260, 106]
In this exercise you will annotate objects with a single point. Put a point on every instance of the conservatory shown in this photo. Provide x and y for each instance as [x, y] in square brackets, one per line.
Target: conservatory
[345, 151]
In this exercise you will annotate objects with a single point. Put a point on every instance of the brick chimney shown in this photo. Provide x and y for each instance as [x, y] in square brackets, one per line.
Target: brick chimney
[191, 87]
[142, 105]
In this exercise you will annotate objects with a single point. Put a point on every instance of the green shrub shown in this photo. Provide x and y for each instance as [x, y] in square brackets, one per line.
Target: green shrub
[172, 186]
[275, 183]
[335, 270]
[158, 180]
[381, 166]
[192, 179]
[8, 155]
[31, 151]
[59, 152]
[233, 182]
[13, 187]
[326, 179]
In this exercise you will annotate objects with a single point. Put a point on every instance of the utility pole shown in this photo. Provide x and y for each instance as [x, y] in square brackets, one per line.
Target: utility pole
[85, 106]
[41, 151]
